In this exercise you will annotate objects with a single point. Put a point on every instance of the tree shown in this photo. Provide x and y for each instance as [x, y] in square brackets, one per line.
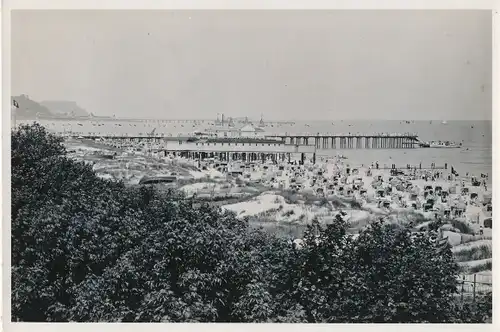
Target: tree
[386, 274]
[406, 279]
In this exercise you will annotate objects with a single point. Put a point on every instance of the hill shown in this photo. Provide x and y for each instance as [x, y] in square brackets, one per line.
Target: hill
[30, 109]
[64, 107]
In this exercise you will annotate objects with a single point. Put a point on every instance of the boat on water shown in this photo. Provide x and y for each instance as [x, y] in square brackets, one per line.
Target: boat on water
[444, 122]
[442, 144]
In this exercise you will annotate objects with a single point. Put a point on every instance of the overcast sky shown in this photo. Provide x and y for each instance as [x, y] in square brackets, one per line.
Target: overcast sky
[284, 64]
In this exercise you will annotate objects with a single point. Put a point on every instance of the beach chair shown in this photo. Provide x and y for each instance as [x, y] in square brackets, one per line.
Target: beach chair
[476, 183]
[487, 199]
[459, 212]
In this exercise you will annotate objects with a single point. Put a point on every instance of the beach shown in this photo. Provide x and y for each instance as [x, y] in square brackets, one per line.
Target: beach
[285, 196]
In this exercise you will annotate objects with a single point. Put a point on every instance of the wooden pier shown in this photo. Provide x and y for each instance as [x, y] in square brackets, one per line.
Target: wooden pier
[351, 141]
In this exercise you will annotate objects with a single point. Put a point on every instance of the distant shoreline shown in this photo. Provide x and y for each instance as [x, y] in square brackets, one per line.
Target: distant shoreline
[109, 118]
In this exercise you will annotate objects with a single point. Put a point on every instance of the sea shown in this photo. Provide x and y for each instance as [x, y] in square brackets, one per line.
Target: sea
[474, 157]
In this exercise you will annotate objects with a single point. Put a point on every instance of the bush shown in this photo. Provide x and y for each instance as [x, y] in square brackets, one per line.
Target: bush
[324, 202]
[290, 197]
[462, 227]
[355, 204]
[435, 225]
[338, 202]
[472, 238]
[478, 311]
[370, 278]
[473, 253]
[481, 267]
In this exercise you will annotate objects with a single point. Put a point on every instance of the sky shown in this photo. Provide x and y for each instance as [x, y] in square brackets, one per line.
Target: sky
[286, 65]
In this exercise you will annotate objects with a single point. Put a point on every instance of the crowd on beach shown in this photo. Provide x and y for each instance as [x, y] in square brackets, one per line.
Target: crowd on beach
[438, 194]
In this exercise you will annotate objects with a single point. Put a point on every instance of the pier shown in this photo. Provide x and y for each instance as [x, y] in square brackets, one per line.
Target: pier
[226, 149]
[351, 141]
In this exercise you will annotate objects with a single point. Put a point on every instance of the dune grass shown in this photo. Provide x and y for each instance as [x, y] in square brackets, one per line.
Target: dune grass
[474, 253]
[462, 227]
[466, 238]
[482, 267]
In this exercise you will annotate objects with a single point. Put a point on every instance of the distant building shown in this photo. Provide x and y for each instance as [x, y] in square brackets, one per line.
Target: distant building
[248, 131]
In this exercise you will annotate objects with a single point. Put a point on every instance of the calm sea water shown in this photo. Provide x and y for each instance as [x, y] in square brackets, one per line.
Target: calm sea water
[474, 157]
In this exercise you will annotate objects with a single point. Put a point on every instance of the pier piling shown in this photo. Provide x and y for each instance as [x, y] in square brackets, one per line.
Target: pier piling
[352, 141]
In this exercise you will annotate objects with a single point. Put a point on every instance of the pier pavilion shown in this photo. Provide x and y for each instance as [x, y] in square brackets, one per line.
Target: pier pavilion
[242, 148]
[238, 149]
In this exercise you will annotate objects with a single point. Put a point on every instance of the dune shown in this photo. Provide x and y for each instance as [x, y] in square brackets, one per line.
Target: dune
[470, 264]
[470, 245]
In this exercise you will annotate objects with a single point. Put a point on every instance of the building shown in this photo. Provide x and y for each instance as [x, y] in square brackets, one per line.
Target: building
[247, 131]
[250, 131]
[244, 149]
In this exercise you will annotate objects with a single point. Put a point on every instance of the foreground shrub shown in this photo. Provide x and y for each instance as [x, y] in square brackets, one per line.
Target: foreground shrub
[478, 311]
